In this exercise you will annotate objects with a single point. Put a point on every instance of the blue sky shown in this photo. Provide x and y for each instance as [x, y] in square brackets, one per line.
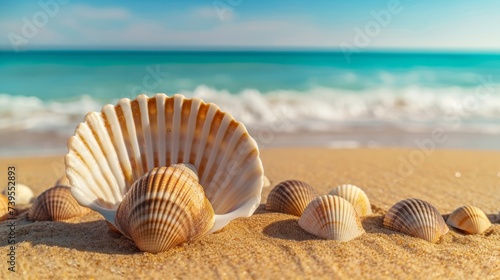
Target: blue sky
[442, 25]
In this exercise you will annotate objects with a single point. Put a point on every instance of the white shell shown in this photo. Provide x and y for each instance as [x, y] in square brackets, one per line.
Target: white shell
[331, 217]
[470, 219]
[356, 196]
[416, 218]
[24, 194]
[116, 146]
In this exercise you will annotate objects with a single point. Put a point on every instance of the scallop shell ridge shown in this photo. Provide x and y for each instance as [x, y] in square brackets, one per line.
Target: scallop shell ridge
[111, 149]
[469, 219]
[416, 218]
[356, 196]
[290, 197]
[331, 217]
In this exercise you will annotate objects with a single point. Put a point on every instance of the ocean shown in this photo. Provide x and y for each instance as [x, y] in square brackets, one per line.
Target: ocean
[285, 98]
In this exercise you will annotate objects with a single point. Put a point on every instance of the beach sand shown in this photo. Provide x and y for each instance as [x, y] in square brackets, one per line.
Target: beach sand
[272, 245]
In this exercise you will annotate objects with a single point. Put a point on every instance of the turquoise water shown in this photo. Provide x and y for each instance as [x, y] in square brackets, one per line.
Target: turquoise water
[108, 75]
[48, 91]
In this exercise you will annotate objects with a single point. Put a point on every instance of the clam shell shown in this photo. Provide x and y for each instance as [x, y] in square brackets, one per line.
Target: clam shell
[417, 218]
[164, 208]
[116, 146]
[356, 196]
[23, 194]
[55, 204]
[331, 217]
[4, 207]
[290, 197]
[469, 219]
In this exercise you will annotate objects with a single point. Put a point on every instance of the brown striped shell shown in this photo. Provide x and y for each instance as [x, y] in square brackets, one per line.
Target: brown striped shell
[290, 197]
[55, 204]
[416, 218]
[331, 217]
[164, 208]
[469, 219]
[356, 196]
[4, 207]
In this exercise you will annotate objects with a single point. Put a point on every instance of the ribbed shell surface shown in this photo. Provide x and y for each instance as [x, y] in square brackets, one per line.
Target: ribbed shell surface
[55, 204]
[164, 208]
[4, 207]
[331, 217]
[417, 218]
[356, 196]
[290, 197]
[116, 146]
[470, 219]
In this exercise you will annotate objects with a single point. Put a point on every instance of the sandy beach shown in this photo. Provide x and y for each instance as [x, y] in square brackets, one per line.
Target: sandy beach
[272, 245]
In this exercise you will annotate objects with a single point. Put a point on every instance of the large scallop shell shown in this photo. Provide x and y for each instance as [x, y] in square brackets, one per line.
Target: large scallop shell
[116, 146]
[55, 204]
[331, 217]
[4, 207]
[356, 196]
[164, 208]
[417, 218]
[290, 197]
[469, 219]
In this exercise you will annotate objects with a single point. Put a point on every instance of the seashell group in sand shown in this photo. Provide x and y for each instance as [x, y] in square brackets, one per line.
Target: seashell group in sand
[356, 196]
[55, 204]
[416, 218]
[23, 194]
[331, 217]
[469, 219]
[111, 149]
[164, 208]
[4, 207]
[290, 197]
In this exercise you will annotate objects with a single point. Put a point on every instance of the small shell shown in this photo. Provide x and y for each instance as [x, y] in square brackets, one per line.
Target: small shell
[417, 218]
[290, 197]
[4, 207]
[470, 219]
[55, 204]
[356, 197]
[23, 194]
[331, 217]
[164, 208]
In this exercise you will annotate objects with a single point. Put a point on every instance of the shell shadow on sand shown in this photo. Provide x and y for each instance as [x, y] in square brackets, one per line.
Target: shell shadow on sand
[90, 236]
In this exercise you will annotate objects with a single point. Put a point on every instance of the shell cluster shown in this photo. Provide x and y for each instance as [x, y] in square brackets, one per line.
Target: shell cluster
[469, 219]
[327, 216]
[113, 156]
[416, 218]
[55, 204]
